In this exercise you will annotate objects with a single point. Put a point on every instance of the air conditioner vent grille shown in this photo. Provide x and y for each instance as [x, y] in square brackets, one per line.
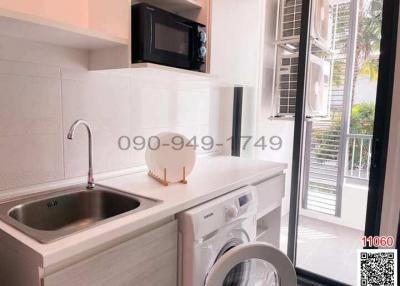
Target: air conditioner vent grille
[291, 19]
[287, 84]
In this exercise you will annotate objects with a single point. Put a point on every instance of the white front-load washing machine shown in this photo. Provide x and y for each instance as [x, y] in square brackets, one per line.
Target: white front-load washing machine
[218, 247]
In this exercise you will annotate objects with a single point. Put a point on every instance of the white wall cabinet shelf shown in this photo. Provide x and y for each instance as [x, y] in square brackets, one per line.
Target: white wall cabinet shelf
[164, 70]
[31, 27]
[150, 70]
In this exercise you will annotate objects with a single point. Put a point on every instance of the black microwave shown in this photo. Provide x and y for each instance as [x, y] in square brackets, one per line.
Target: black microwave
[161, 37]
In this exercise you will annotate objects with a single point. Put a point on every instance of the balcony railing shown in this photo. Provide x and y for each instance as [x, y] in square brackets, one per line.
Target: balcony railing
[322, 192]
[358, 159]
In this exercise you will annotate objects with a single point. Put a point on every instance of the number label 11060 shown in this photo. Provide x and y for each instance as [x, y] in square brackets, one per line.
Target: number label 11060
[377, 241]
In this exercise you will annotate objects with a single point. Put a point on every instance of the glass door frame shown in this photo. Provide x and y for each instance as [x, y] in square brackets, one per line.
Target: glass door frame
[380, 135]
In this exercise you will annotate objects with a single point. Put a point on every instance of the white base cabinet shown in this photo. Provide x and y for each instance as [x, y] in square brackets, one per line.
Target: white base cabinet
[268, 227]
[146, 257]
[270, 193]
[147, 260]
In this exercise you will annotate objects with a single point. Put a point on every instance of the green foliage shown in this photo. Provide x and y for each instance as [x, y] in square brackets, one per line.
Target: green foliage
[370, 68]
[369, 27]
[367, 64]
[369, 38]
[327, 140]
[362, 118]
[339, 69]
[362, 122]
[363, 114]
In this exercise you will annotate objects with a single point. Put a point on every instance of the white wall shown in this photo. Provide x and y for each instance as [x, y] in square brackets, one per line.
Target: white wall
[44, 89]
[235, 45]
[272, 127]
[236, 58]
[243, 53]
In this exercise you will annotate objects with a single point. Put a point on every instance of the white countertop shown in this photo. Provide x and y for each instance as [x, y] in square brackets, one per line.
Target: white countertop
[211, 177]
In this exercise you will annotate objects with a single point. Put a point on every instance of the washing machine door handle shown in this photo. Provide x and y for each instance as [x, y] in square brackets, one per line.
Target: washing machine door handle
[245, 252]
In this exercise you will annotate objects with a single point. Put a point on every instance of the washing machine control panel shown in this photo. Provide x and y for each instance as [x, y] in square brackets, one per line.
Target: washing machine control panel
[244, 200]
[232, 212]
[237, 206]
[216, 213]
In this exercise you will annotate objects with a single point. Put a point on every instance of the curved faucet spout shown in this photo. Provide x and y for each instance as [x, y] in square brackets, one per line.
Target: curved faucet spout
[70, 136]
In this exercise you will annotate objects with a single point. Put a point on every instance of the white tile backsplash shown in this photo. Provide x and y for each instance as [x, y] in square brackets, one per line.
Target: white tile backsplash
[151, 107]
[104, 101]
[11, 67]
[44, 89]
[30, 159]
[29, 105]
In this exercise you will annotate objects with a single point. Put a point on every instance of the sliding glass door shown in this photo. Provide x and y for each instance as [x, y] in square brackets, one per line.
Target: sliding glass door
[319, 100]
[341, 104]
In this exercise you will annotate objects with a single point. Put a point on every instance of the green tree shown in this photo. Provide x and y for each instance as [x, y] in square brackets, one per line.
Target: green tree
[368, 40]
[362, 118]
[362, 122]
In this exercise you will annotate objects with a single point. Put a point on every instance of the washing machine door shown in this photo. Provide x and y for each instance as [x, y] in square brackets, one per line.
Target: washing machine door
[252, 264]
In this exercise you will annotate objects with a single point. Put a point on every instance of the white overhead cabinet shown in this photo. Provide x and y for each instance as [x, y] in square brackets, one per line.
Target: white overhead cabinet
[103, 27]
[84, 24]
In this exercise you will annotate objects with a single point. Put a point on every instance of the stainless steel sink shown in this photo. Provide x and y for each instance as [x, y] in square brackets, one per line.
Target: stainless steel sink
[66, 211]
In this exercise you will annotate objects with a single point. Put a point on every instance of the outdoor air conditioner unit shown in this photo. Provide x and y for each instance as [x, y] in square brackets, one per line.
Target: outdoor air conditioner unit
[317, 103]
[320, 24]
[317, 97]
[290, 22]
[286, 84]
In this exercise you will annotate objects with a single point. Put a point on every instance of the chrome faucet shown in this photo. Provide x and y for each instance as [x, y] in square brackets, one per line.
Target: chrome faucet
[90, 183]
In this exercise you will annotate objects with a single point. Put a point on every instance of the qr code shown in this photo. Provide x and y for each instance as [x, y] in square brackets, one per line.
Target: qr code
[377, 267]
